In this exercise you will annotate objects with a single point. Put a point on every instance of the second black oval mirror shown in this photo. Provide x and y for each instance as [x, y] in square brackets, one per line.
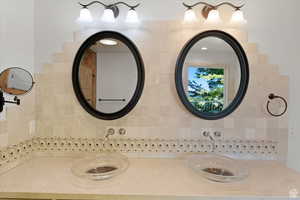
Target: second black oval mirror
[212, 75]
[108, 75]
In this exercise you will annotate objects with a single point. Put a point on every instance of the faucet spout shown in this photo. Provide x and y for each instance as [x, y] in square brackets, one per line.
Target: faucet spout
[212, 139]
[110, 132]
[213, 143]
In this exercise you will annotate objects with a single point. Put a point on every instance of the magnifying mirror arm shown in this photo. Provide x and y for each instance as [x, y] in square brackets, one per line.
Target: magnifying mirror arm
[3, 101]
[16, 101]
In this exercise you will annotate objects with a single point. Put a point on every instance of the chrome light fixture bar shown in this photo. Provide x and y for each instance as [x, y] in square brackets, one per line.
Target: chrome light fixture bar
[211, 14]
[111, 12]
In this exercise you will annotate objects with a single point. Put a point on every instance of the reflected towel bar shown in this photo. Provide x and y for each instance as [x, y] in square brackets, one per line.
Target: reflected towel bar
[112, 100]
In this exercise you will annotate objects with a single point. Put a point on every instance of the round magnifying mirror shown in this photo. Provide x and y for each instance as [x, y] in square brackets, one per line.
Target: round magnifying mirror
[212, 75]
[16, 81]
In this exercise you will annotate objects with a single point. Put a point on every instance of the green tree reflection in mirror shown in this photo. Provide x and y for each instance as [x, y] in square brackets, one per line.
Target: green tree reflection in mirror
[206, 89]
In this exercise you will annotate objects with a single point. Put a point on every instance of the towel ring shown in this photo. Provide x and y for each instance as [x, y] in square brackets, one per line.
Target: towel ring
[272, 97]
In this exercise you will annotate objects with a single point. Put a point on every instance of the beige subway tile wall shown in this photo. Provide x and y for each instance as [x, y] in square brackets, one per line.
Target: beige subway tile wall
[159, 113]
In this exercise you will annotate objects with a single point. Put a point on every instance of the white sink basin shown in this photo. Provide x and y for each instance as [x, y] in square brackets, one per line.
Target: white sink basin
[217, 168]
[101, 166]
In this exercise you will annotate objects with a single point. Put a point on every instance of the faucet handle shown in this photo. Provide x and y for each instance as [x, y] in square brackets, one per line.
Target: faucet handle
[206, 133]
[110, 131]
[217, 133]
[122, 131]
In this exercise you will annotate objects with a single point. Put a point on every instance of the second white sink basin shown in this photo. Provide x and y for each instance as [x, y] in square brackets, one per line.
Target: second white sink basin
[217, 168]
[101, 166]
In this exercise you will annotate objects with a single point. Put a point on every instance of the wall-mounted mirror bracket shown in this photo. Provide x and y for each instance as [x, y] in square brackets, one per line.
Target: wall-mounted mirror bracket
[16, 101]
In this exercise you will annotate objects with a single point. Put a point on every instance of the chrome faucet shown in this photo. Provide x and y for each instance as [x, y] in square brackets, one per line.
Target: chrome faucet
[212, 139]
[110, 132]
[122, 131]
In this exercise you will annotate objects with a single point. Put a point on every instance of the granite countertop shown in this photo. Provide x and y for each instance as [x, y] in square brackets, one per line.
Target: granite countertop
[147, 177]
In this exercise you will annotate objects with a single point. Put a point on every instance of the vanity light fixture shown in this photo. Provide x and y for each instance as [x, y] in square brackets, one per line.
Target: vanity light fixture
[132, 16]
[111, 12]
[213, 17]
[190, 15]
[211, 13]
[204, 48]
[85, 16]
[238, 17]
[108, 16]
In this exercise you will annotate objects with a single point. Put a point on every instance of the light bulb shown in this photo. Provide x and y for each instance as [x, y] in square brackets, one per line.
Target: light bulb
[108, 42]
[238, 18]
[85, 16]
[190, 16]
[213, 17]
[132, 16]
[108, 16]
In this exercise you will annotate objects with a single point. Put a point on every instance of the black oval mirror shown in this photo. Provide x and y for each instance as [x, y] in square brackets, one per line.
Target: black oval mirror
[212, 75]
[16, 81]
[108, 75]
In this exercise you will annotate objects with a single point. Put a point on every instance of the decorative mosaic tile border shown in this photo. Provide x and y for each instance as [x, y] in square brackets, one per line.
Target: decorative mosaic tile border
[258, 148]
[14, 155]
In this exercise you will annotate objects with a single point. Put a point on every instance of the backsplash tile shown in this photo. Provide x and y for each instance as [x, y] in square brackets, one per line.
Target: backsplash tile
[14, 155]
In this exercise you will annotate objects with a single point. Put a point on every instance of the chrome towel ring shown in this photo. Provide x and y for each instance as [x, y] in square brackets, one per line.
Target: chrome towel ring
[272, 97]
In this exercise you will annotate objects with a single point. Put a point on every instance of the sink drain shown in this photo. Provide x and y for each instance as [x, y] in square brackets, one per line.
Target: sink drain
[101, 170]
[218, 171]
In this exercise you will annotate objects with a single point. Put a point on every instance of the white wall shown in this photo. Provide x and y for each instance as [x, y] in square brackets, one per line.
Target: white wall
[16, 36]
[116, 79]
[17, 50]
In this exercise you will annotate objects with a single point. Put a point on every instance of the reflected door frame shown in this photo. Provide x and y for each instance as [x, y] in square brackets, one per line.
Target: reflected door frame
[89, 63]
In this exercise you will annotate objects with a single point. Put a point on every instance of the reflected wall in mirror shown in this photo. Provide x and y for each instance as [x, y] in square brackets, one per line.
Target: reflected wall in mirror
[16, 81]
[212, 75]
[108, 75]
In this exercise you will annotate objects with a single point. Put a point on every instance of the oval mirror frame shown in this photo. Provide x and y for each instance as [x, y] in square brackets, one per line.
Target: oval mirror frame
[140, 73]
[244, 66]
[29, 75]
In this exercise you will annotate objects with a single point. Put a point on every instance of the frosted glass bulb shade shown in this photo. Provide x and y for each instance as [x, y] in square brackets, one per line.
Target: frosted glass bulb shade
[85, 16]
[108, 16]
[238, 17]
[132, 16]
[190, 16]
[213, 17]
